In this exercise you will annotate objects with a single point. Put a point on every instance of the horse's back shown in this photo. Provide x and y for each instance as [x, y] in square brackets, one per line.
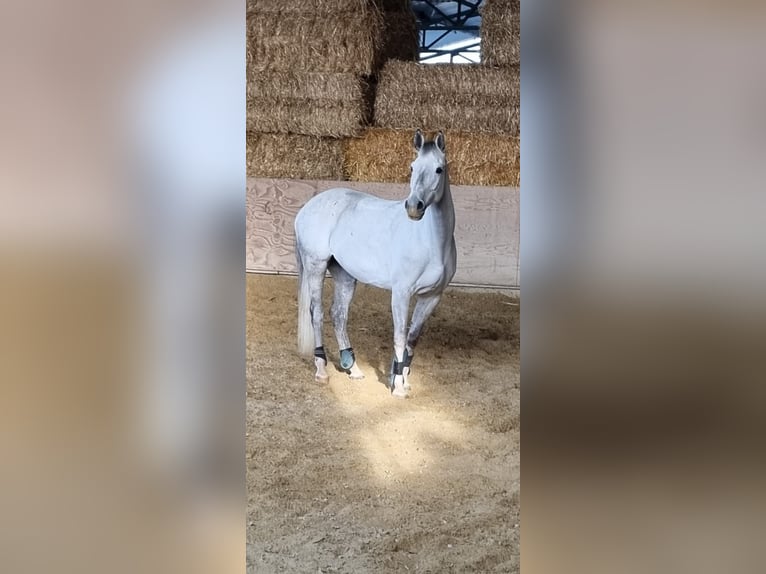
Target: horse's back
[328, 208]
[334, 201]
[317, 209]
[321, 214]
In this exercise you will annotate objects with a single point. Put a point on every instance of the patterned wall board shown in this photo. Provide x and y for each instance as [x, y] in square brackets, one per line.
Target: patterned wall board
[486, 232]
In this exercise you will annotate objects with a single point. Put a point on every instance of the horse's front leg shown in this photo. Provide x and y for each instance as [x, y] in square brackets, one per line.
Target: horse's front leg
[424, 307]
[400, 304]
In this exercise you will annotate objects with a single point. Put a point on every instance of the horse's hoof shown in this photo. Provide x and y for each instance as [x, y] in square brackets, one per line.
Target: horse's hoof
[406, 373]
[321, 375]
[400, 393]
[355, 372]
[398, 389]
[407, 387]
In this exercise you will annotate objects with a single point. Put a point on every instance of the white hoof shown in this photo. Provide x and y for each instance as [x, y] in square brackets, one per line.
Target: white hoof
[399, 391]
[355, 372]
[406, 374]
[321, 374]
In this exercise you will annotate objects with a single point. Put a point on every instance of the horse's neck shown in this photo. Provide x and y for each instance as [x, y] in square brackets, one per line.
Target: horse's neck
[443, 214]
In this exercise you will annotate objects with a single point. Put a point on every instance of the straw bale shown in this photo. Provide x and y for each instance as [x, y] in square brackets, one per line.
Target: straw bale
[394, 5]
[501, 32]
[305, 6]
[342, 42]
[333, 86]
[493, 85]
[309, 103]
[324, 6]
[400, 36]
[309, 117]
[473, 98]
[294, 156]
[384, 155]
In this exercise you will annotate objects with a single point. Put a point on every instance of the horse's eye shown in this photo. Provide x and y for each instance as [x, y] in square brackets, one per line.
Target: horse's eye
[438, 170]
[410, 169]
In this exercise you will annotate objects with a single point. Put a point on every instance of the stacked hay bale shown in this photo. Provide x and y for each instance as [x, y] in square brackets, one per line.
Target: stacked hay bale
[293, 156]
[311, 68]
[309, 103]
[400, 31]
[501, 32]
[466, 97]
[384, 155]
[477, 105]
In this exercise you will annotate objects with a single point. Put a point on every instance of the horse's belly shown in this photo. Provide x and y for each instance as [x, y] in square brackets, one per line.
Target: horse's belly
[363, 266]
[361, 242]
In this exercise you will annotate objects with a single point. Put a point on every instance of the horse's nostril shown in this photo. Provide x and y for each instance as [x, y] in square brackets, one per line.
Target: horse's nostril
[421, 206]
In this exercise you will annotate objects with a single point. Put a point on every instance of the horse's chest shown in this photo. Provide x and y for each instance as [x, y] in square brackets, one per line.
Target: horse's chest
[432, 278]
[438, 272]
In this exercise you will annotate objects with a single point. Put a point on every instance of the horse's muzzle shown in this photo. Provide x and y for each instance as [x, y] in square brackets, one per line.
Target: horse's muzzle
[415, 212]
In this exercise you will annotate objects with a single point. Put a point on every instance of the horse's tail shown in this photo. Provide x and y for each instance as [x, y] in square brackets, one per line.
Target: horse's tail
[305, 328]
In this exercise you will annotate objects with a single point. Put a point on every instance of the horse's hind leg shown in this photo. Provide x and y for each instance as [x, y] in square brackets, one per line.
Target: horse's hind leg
[315, 271]
[345, 285]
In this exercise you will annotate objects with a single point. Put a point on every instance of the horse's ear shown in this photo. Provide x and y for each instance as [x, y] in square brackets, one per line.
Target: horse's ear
[417, 141]
[440, 141]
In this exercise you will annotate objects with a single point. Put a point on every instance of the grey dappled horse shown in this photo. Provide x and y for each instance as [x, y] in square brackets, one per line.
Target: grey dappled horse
[407, 247]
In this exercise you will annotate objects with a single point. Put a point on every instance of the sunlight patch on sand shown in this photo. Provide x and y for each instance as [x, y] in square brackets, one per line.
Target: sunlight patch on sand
[403, 444]
[400, 438]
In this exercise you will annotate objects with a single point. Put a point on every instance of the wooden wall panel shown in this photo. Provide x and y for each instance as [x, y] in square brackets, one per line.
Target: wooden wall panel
[486, 231]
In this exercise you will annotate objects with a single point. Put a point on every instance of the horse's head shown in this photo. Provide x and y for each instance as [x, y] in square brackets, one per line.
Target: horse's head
[428, 172]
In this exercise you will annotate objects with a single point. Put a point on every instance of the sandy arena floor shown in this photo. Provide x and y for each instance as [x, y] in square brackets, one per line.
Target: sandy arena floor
[342, 477]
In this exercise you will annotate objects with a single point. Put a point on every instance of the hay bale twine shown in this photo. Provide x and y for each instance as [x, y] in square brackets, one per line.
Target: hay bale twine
[294, 156]
[384, 155]
[471, 98]
[501, 32]
[308, 103]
